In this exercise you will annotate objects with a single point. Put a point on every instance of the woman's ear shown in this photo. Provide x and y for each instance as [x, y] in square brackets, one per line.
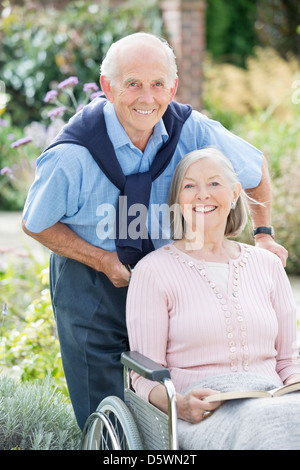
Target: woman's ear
[237, 191]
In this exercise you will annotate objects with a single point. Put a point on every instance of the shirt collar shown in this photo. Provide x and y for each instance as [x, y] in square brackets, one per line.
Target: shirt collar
[119, 137]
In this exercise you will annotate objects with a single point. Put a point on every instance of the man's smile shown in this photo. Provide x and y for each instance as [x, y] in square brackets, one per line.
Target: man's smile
[144, 112]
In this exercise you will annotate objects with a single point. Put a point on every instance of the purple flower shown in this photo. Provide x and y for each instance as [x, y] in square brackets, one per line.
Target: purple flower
[80, 107]
[56, 112]
[96, 94]
[23, 141]
[71, 81]
[6, 170]
[4, 123]
[50, 96]
[88, 87]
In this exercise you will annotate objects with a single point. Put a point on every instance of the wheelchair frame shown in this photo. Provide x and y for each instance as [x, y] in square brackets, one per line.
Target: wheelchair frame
[134, 424]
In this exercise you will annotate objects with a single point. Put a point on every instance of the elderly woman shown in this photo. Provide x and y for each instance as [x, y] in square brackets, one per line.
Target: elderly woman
[219, 314]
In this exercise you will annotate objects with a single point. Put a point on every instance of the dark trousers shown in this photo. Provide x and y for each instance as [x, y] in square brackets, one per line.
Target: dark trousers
[91, 324]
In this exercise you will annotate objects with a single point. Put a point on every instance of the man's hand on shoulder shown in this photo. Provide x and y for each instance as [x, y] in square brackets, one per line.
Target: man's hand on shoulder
[267, 242]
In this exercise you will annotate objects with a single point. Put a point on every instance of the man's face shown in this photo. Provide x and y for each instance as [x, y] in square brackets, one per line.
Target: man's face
[141, 91]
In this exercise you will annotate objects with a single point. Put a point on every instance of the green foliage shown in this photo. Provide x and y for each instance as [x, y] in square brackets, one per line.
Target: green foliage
[277, 22]
[230, 29]
[33, 416]
[39, 48]
[235, 28]
[14, 185]
[257, 104]
[29, 346]
[279, 140]
[286, 214]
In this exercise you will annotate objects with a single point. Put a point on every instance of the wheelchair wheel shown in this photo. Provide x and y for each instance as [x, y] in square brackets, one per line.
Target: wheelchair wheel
[111, 427]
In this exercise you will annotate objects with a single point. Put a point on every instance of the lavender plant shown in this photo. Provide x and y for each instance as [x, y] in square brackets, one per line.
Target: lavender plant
[61, 103]
[65, 99]
[34, 416]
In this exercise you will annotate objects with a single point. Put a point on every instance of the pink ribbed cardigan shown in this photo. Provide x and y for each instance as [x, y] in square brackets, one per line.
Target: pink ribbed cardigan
[180, 317]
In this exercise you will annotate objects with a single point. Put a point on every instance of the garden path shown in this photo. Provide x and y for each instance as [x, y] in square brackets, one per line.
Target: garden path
[13, 238]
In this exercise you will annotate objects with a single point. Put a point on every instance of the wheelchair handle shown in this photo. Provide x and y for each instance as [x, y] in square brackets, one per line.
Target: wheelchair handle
[144, 366]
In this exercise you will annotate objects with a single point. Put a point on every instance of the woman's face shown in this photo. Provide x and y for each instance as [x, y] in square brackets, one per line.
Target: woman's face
[206, 196]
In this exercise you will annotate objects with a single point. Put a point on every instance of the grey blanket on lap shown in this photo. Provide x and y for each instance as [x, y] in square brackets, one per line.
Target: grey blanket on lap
[247, 424]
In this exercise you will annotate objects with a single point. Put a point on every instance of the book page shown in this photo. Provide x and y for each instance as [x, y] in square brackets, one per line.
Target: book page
[223, 396]
[286, 389]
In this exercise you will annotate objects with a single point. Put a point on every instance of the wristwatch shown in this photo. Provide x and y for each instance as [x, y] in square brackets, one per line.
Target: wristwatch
[266, 230]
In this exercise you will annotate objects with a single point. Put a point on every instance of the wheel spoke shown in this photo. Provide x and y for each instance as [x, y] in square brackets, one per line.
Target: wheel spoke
[111, 427]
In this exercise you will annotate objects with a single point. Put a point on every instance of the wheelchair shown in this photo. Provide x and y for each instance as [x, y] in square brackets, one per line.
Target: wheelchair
[134, 424]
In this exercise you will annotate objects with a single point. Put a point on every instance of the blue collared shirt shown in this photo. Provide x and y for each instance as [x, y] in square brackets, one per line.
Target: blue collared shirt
[69, 186]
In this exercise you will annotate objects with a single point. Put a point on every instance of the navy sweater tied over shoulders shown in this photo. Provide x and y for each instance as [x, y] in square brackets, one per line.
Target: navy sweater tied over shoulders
[87, 128]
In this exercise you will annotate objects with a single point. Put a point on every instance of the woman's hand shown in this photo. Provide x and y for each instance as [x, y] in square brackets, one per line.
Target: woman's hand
[192, 408]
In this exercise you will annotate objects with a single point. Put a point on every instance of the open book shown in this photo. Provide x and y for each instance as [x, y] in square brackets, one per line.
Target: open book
[276, 392]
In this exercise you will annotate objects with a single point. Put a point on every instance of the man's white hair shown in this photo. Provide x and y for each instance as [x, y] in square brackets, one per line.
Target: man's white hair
[109, 66]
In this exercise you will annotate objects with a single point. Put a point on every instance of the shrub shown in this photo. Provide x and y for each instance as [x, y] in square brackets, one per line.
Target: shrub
[256, 104]
[44, 46]
[29, 345]
[17, 168]
[265, 83]
[286, 214]
[33, 416]
[280, 143]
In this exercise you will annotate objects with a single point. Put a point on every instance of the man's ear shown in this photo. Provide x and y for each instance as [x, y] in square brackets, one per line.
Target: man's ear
[106, 88]
[173, 89]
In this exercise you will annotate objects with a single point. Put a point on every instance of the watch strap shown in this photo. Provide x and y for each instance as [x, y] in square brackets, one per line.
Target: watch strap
[265, 230]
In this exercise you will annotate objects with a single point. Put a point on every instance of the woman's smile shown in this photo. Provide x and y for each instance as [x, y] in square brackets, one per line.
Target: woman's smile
[204, 209]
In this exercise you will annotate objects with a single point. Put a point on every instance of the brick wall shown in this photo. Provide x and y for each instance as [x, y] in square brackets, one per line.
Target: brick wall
[185, 23]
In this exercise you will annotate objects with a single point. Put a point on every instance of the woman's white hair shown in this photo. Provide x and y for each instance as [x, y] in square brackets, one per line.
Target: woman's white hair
[109, 66]
[237, 217]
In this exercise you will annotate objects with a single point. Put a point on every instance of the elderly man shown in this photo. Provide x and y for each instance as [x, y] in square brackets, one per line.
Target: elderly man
[126, 144]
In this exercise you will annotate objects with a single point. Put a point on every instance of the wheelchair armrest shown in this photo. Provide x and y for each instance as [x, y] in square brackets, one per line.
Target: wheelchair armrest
[144, 366]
